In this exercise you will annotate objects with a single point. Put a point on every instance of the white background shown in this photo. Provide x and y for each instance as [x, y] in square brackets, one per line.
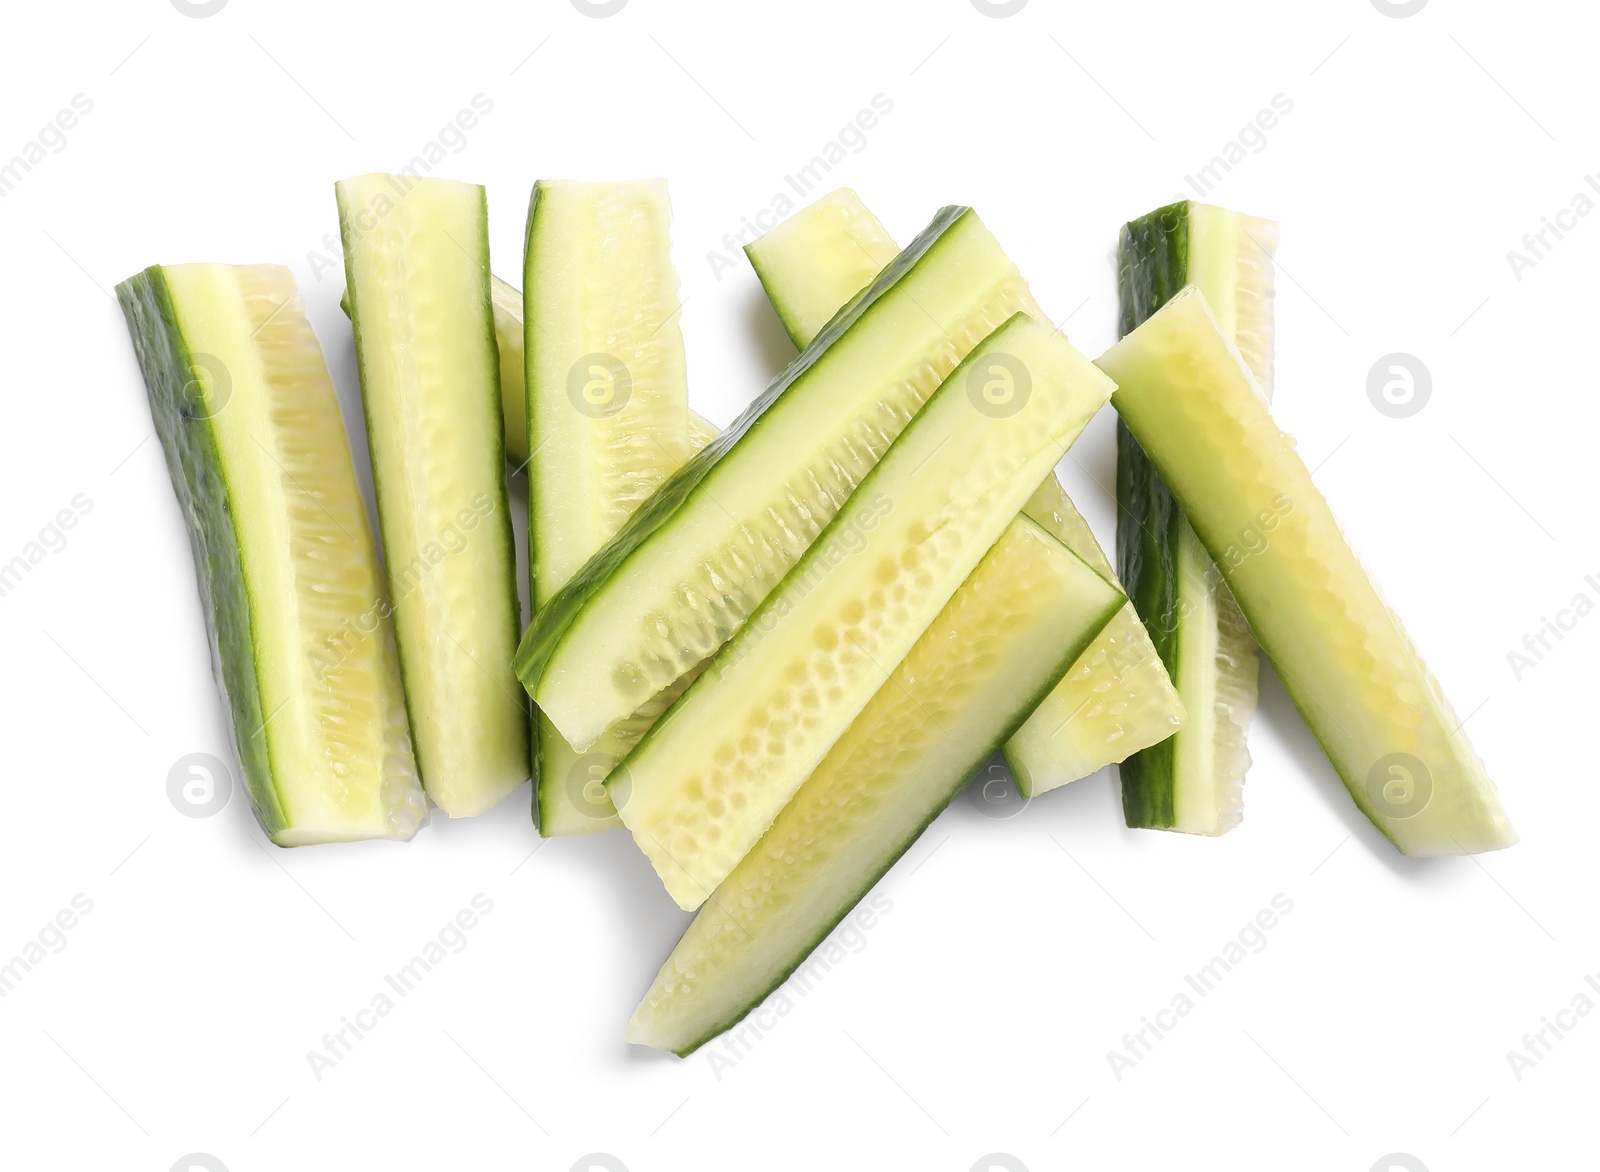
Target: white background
[978, 1015]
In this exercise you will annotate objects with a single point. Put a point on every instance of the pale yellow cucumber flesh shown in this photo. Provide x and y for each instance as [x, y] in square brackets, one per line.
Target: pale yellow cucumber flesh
[288, 568]
[1019, 619]
[607, 407]
[710, 776]
[573, 798]
[416, 266]
[818, 259]
[1118, 698]
[607, 388]
[1194, 782]
[582, 805]
[513, 391]
[507, 300]
[1115, 699]
[1340, 651]
[701, 432]
[692, 565]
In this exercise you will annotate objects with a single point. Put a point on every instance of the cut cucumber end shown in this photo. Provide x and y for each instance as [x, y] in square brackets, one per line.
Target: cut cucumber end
[1343, 657]
[818, 259]
[571, 797]
[1115, 700]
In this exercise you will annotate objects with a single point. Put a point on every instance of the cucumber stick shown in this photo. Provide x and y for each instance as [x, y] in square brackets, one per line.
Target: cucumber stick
[1023, 616]
[417, 271]
[507, 301]
[1190, 402]
[607, 411]
[1193, 782]
[696, 559]
[301, 643]
[1118, 698]
[818, 259]
[711, 775]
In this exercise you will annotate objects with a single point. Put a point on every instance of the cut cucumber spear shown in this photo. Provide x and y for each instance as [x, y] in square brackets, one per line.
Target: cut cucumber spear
[692, 563]
[300, 635]
[1026, 612]
[507, 300]
[1194, 781]
[818, 259]
[1188, 399]
[710, 776]
[1118, 698]
[607, 411]
[417, 270]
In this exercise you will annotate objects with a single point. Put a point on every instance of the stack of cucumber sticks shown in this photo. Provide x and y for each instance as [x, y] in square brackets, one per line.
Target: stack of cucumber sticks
[773, 653]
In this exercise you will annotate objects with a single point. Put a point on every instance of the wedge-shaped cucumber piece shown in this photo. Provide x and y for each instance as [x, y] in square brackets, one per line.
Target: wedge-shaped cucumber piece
[1118, 698]
[818, 259]
[1346, 663]
[692, 563]
[608, 412]
[301, 641]
[710, 776]
[507, 300]
[1026, 612]
[1194, 781]
[417, 269]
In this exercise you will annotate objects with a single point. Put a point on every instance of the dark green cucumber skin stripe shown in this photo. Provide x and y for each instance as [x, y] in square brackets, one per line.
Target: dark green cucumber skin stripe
[1152, 265]
[530, 338]
[969, 767]
[203, 493]
[540, 640]
[954, 384]
[784, 318]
